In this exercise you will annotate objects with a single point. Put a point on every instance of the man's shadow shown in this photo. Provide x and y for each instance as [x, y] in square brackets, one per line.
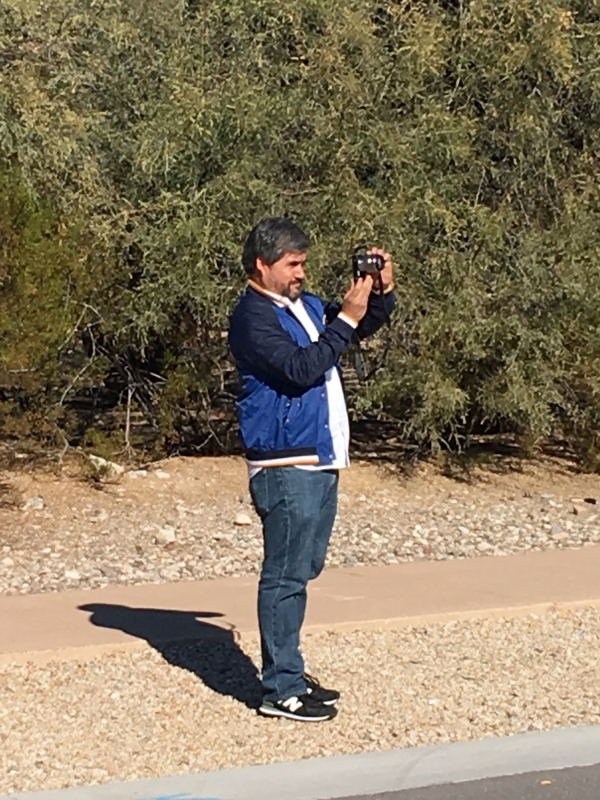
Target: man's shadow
[209, 651]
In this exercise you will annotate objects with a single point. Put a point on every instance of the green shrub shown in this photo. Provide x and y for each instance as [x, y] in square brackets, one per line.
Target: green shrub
[462, 135]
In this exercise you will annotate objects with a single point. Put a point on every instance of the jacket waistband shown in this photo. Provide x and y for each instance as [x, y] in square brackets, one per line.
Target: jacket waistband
[282, 458]
[290, 461]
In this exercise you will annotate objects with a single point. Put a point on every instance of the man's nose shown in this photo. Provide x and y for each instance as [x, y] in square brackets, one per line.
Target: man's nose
[299, 273]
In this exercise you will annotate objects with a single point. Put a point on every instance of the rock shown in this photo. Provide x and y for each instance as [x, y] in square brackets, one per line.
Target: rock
[223, 537]
[72, 575]
[242, 519]
[106, 467]
[484, 547]
[556, 530]
[34, 503]
[166, 534]
[8, 562]
[343, 498]
[99, 515]
[164, 476]
[246, 499]
[138, 473]
[170, 574]
[109, 572]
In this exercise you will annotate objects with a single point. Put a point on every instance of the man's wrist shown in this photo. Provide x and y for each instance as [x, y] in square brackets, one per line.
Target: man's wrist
[387, 289]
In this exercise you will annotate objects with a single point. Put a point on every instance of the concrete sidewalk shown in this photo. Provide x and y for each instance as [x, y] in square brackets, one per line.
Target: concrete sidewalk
[55, 626]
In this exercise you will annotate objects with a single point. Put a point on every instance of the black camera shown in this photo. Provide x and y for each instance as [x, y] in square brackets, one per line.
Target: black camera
[366, 264]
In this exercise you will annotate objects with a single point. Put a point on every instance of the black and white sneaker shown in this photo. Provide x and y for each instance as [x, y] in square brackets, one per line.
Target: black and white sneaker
[304, 708]
[328, 697]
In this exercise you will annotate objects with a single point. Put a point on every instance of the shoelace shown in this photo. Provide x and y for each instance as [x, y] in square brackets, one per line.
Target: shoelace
[310, 678]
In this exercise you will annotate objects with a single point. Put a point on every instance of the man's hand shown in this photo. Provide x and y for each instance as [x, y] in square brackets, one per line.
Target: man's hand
[387, 273]
[356, 299]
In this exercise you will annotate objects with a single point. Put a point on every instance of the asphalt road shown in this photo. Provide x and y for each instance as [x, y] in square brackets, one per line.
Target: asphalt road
[578, 783]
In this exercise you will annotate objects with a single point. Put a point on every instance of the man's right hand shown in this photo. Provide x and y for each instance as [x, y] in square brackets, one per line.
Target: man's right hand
[356, 299]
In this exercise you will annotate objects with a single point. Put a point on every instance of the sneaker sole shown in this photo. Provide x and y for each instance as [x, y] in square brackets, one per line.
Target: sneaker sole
[267, 711]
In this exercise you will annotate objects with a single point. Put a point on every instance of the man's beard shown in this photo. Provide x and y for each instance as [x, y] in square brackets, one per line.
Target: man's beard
[293, 291]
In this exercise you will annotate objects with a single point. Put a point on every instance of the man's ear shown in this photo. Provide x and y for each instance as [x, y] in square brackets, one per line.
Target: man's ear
[261, 268]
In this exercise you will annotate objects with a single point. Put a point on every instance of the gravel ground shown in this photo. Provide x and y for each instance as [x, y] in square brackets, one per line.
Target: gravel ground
[190, 707]
[191, 518]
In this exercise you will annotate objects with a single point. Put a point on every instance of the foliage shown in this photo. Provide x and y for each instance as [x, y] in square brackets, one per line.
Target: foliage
[462, 134]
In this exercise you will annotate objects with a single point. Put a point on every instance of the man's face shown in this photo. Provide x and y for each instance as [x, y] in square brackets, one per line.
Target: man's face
[285, 277]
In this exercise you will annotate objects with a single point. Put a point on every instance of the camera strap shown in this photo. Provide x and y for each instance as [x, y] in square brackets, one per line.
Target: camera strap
[359, 362]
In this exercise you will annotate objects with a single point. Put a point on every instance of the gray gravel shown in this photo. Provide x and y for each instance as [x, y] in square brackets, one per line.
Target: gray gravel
[189, 708]
[191, 519]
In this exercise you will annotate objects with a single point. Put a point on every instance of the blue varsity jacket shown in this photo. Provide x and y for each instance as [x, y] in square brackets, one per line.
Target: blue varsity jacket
[282, 408]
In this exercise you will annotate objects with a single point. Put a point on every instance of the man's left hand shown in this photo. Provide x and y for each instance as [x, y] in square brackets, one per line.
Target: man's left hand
[387, 273]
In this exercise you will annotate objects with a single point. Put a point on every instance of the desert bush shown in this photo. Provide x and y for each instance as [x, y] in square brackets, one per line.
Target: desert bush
[461, 134]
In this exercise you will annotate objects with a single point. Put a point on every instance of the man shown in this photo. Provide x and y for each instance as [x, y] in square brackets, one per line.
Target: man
[295, 432]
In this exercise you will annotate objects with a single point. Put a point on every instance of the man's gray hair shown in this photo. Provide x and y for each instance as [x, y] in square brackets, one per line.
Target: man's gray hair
[271, 239]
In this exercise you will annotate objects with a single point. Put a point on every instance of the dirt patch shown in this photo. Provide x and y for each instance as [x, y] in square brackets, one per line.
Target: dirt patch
[191, 518]
[191, 706]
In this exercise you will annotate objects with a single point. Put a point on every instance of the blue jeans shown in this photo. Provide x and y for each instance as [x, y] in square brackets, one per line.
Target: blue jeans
[297, 508]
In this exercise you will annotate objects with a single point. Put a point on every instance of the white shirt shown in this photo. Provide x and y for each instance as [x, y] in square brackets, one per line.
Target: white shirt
[339, 427]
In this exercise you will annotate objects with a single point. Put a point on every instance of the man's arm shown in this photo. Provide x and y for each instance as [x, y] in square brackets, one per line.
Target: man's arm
[258, 338]
[378, 313]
